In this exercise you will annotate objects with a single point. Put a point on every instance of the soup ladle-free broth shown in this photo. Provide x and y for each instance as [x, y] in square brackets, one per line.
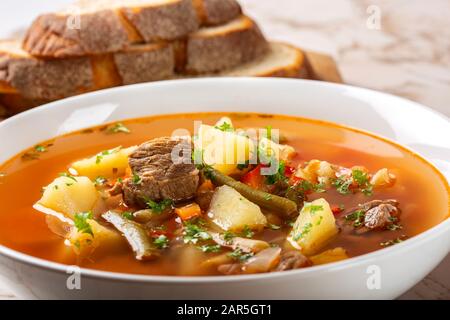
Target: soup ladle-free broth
[176, 244]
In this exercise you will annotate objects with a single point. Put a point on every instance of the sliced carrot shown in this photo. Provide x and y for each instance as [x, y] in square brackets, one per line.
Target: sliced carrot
[206, 186]
[188, 212]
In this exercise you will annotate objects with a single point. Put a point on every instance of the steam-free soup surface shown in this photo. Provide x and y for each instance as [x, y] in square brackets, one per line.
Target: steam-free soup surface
[419, 189]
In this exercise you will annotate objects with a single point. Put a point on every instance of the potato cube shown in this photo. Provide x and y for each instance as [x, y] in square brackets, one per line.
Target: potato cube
[223, 150]
[98, 239]
[109, 164]
[231, 211]
[70, 195]
[314, 227]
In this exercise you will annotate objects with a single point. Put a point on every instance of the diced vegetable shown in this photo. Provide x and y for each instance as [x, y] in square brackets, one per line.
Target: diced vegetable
[69, 195]
[111, 163]
[223, 150]
[135, 235]
[263, 261]
[231, 211]
[254, 178]
[314, 227]
[328, 256]
[188, 212]
[282, 206]
[224, 124]
[95, 237]
[317, 171]
[239, 243]
[268, 149]
[382, 178]
[150, 217]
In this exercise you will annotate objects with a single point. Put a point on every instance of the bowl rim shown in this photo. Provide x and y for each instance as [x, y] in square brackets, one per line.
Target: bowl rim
[409, 244]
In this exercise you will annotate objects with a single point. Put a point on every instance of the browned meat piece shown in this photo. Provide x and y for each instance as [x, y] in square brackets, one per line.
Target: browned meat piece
[162, 169]
[372, 215]
[380, 216]
[293, 260]
[116, 189]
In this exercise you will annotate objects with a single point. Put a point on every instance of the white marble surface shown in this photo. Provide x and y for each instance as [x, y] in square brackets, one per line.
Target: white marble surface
[407, 53]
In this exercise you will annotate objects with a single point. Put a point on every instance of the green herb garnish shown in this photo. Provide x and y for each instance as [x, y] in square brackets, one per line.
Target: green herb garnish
[81, 222]
[161, 242]
[99, 181]
[194, 233]
[159, 207]
[240, 256]
[67, 175]
[210, 248]
[225, 127]
[136, 179]
[247, 232]
[102, 154]
[128, 215]
[118, 128]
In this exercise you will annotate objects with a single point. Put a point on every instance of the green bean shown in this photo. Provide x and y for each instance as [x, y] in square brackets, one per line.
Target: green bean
[135, 235]
[284, 207]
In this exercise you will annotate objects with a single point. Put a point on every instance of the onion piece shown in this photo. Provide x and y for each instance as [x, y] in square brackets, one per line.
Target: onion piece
[263, 261]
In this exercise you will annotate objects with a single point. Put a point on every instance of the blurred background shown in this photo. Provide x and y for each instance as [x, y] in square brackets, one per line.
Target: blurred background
[396, 46]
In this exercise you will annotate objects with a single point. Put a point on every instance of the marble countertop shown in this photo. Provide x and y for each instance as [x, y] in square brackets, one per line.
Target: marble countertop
[396, 46]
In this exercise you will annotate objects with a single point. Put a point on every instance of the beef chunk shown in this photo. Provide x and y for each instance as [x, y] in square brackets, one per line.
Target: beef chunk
[162, 169]
[380, 216]
[293, 260]
[372, 215]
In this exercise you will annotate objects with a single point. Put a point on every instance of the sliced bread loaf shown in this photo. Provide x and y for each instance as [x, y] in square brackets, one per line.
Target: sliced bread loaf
[217, 48]
[104, 26]
[282, 60]
[54, 79]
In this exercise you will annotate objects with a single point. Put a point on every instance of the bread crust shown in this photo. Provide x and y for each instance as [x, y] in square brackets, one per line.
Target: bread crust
[149, 63]
[111, 30]
[227, 49]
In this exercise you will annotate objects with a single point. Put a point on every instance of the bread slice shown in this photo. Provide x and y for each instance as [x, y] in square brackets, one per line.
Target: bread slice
[105, 26]
[322, 67]
[222, 47]
[53, 79]
[282, 60]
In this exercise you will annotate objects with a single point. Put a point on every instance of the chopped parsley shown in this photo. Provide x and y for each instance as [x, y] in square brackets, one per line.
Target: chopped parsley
[240, 256]
[225, 127]
[313, 209]
[306, 229]
[393, 241]
[118, 128]
[279, 176]
[194, 233]
[159, 207]
[342, 185]
[35, 153]
[128, 215]
[99, 181]
[228, 236]
[161, 242]
[102, 154]
[67, 175]
[357, 217]
[363, 182]
[247, 232]
[210, 248]
[136, 179]
[81, 222]
[40, 148]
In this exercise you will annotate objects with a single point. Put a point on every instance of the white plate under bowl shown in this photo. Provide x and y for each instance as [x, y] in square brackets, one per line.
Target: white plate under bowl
[408, 123]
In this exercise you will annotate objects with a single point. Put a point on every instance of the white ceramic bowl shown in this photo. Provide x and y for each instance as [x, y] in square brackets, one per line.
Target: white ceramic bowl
[399, 267]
